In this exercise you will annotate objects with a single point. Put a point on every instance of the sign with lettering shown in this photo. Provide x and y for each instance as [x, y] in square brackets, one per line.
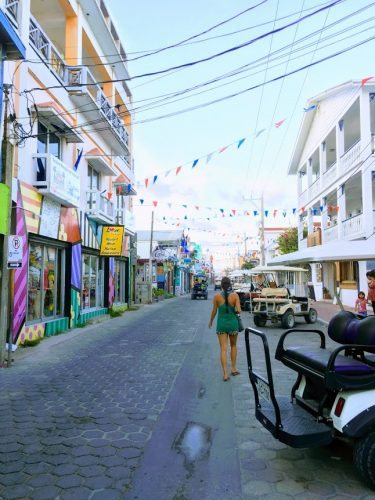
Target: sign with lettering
[15, 252]
[111, 243]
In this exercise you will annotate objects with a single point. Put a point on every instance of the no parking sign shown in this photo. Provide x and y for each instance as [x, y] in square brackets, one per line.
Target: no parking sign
[15, 252]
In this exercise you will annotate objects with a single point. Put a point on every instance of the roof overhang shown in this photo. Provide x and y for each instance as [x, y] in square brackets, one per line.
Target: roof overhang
[330, 252]
[52, 115]
[14, 48]
[99, 163]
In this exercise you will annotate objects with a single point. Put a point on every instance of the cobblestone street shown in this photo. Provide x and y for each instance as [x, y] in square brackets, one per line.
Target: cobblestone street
[96, 413]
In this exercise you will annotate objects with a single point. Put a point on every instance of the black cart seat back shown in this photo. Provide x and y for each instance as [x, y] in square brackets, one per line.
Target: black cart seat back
[342, 368]
[346, 328]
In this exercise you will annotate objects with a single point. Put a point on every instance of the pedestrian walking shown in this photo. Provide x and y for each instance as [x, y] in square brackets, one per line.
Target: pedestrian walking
[361, 305]
[226, 305]
[370, 275]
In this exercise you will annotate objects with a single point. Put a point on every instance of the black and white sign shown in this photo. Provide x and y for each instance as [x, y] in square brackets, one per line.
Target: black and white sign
[15, 252]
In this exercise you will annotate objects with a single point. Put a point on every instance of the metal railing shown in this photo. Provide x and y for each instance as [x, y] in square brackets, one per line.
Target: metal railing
[46, 49]
[12, 9]
[98, 204]
[330, 175]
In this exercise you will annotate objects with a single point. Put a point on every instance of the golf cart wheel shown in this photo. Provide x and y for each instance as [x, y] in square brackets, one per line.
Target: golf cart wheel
[287, 319]
[364, 458]
[312, 316]
[260, 321]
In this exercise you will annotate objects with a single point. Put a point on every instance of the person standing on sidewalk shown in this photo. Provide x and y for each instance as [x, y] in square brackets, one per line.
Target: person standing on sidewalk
[227, 305]
[361, 305]
[370, 275]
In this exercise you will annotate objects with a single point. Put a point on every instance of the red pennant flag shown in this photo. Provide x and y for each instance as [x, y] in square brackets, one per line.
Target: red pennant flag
[109, 195]
[178, 170]
[278, 124]
[155, 203]
[223, 149]
[233, 211]
[146, 183]
[365, 80]
[274, 213]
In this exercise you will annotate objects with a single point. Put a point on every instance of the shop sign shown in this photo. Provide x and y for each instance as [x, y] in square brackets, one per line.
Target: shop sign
[15, 252]
[64, 182]
[111, 243]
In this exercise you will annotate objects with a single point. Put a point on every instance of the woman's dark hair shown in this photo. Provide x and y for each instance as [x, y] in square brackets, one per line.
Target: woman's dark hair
[226, 286]
[371, 274]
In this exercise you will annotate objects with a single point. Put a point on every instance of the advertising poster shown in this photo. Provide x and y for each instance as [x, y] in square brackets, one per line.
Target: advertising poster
[111, 243]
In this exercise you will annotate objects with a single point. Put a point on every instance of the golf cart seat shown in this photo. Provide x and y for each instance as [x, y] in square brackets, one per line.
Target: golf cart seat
[272, 295]
[345, 368]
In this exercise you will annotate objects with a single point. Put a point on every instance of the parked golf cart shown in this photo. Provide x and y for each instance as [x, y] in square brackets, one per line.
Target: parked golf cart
[200, 286]
[246, 285]
[334, 393]
[284, 299]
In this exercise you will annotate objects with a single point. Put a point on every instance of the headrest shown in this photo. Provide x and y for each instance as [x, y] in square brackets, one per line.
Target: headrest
[346, 328]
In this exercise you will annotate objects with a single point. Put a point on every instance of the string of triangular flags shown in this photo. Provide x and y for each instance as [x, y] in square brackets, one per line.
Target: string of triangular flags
[148, 181]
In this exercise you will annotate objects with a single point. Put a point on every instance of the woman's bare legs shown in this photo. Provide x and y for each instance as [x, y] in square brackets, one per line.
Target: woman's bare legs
[233, 352]
[223, 341]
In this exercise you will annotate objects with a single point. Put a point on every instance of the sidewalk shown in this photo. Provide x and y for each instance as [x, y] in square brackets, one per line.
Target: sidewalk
[326, 310]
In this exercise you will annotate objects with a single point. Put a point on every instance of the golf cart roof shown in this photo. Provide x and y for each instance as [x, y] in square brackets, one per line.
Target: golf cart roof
[273, 269]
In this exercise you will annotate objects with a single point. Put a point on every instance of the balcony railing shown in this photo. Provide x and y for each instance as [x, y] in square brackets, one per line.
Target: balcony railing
[350, 158]
[12, 9]
[99, 207]
[303, 198]
[331, 234]
[330, 175]
[314, 188]
[352, 227]
[56, 180]
[46, 49]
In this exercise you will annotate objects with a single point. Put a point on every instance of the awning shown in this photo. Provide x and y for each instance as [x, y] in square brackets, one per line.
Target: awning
[123, 186]
[97, 160]
[330, 252]
[54, 116]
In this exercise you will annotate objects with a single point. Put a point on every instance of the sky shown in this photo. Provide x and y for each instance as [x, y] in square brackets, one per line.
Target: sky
[268, 117]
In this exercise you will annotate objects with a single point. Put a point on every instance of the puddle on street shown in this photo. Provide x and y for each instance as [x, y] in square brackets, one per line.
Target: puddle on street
[193, 442]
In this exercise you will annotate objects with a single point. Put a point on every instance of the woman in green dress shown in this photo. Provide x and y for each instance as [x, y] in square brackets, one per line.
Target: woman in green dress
[227, 305]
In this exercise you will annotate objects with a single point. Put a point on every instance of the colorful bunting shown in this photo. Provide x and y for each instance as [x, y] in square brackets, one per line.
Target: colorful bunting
[240, 142]
[155, 177]
[155, 203]
[365, 80]
[194, 163]
[221, 150]
[260, 132]
[146, 183]
[178, 170]
[278, 124]
[208, 158]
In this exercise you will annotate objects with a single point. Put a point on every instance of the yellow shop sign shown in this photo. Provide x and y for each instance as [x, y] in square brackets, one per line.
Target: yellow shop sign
[112, 241]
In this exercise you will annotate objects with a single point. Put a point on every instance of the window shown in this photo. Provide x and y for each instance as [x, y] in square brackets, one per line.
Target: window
[48, 142]
[93, 186]
[45, 282]
[120, 206]
[92, 292]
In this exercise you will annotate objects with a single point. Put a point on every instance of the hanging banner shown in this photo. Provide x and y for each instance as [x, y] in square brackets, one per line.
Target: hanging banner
[111, 243]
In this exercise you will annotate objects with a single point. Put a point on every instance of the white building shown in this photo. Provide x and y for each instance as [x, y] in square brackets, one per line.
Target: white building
[71, 128]
[335, 164]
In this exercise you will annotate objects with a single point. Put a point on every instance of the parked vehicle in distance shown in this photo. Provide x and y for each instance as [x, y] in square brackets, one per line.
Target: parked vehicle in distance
[284, 299]
[217, 284]
[200, 287]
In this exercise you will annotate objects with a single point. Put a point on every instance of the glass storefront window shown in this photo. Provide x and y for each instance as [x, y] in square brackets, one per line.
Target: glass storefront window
[45, 286]
[92, 292]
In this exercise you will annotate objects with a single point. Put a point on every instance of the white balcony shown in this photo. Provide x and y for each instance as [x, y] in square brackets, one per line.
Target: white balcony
[12, 9]
[352, 228]
[331, 234]
[99, 207]
[85, 92]
[314, 189]
[302, 244]
[351, 158]
[303, 198]
[330, 175]
[56, 180]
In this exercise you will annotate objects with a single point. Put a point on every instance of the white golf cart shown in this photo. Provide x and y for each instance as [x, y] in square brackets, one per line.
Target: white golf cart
[283, 296]
[333, 396]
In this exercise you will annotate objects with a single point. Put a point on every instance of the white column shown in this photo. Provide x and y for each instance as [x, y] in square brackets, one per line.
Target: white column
[365, 124]
[324, 220]
[309, 172]
[341, 202]
[340, 146]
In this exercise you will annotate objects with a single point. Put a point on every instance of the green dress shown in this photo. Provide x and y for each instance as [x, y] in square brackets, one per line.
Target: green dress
[226, 321]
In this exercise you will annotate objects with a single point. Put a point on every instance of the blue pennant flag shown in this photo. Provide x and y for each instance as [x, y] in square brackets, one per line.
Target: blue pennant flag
[266, 213]
[240, 142]
[129, 187]
[310, 108]
[255, 212]
[294, 210]
[155, 177]
[194, 163]
[142, 201]
[222, 210]
[78, 160]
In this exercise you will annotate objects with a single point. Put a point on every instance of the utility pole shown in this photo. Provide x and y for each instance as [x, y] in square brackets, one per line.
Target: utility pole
[6, 178]
[261, 228]
[150, 259]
